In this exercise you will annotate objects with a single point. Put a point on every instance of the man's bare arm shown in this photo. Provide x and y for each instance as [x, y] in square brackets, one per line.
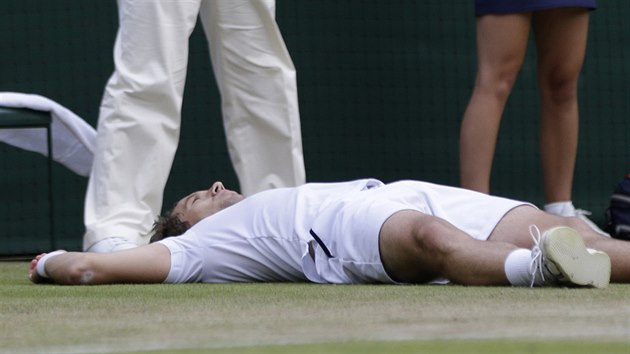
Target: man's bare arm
[145, 264]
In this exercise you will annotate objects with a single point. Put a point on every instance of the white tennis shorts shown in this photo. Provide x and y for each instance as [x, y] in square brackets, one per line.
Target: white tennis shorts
[346, 234]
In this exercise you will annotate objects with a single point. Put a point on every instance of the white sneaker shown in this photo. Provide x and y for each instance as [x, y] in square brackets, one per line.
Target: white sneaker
[559, 257]
[111, 244]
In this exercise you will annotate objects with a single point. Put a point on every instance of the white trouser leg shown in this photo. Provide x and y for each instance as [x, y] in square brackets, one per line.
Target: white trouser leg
[139, 122]
[257, 81]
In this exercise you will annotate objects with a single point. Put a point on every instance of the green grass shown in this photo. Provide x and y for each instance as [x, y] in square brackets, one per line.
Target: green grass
[308, 318]
[433, 347]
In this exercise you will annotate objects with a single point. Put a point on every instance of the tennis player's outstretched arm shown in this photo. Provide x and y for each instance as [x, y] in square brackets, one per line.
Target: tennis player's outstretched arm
[145, 264]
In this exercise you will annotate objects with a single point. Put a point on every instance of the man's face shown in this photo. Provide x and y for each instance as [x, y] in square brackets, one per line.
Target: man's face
[204, 203]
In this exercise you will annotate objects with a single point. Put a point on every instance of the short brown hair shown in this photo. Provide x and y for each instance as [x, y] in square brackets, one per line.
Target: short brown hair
[168, 225]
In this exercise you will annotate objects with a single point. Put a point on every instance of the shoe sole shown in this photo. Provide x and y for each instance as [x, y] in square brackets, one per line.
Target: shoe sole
[565, 248]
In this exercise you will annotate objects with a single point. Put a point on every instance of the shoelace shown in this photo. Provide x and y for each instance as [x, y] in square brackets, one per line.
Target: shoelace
[537, 255]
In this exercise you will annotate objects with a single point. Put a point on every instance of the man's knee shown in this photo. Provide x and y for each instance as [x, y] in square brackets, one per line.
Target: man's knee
[432, 237]
[415, 246]
[583, 228]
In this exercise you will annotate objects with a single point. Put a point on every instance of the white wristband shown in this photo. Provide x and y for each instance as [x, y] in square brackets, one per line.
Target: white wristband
[41, 270]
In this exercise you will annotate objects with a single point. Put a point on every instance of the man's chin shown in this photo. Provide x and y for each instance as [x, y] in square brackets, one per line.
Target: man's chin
[232, 198]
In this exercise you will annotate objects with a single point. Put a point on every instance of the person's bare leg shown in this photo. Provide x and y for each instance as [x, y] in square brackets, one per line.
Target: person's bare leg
[501, 47]
[561, 36]
[418, 248]
[619, 253]
[514, 229]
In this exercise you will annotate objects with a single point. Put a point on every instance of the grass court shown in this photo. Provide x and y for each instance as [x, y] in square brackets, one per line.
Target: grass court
[308, 318]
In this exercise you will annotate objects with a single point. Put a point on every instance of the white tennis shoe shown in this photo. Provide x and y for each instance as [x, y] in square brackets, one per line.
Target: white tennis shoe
[560, 257]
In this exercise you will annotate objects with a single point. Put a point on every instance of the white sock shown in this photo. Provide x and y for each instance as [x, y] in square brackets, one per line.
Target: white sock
[565, 208]
[517, 267]
[41, 264]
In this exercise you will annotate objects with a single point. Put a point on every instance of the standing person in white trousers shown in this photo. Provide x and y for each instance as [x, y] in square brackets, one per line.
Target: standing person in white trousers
[139, 123]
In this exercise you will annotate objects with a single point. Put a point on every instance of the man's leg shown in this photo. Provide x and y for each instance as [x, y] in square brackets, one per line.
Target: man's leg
[257, 81]
[139, 123]
[514, 229]
[418, 248]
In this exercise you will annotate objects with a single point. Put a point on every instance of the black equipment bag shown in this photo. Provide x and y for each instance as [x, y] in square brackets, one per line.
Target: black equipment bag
[618, 213]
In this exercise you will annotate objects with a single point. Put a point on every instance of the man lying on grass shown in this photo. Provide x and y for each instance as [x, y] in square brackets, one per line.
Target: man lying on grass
[354, 232]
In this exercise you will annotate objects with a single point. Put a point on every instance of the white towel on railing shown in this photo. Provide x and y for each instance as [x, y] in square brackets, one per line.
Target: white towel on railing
[73, 139]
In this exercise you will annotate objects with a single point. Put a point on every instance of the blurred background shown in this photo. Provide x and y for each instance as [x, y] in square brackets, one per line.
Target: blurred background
[382, 89]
